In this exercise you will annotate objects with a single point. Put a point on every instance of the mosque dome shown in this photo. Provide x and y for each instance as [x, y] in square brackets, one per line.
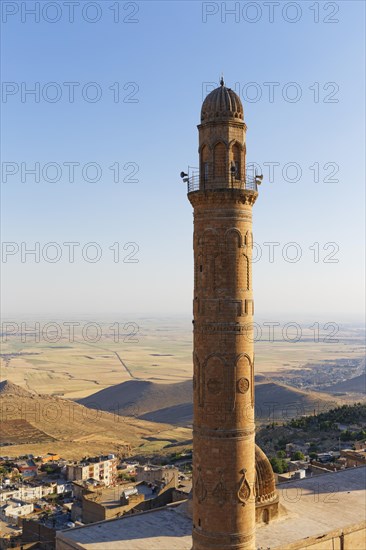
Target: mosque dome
[266, 495]
[222, 104]
[265, 488]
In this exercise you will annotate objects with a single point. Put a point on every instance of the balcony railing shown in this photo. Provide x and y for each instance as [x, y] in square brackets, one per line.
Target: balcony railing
[196, 182]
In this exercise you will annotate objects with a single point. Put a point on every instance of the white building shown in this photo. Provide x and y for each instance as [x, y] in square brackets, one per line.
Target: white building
[15, 509]
[102, 469]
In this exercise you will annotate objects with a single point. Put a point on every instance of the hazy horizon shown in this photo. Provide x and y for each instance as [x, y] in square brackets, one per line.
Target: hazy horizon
[105, 246]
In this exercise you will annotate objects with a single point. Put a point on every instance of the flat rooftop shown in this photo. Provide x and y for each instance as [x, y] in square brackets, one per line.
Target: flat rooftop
[314, 507]
[162, 529]
[110, 496]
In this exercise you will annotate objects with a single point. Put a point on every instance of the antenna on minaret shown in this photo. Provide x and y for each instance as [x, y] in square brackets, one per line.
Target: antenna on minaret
[222, 79]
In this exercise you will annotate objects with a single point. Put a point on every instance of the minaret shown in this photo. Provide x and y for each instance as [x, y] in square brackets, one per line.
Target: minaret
[223, 432]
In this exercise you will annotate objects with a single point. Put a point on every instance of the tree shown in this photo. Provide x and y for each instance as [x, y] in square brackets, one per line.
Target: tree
[346, 435]
[279, 465]
[298, 455]
[126, 477]
[281, 454]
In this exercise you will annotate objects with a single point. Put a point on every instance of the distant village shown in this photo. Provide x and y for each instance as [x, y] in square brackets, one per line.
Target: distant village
[42, 495]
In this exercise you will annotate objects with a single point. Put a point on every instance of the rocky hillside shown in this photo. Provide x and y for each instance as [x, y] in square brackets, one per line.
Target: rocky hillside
[70, 428]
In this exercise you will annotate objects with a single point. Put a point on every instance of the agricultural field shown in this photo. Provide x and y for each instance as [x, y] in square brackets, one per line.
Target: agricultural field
[154, 349]
[77, 367]
[146, 371]
[15, 432]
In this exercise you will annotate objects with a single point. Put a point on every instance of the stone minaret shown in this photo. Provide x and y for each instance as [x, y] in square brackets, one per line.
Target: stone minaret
[223, 434]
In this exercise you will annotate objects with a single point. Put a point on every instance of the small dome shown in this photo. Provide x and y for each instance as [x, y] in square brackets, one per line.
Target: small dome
[222, 104]
[265, 487]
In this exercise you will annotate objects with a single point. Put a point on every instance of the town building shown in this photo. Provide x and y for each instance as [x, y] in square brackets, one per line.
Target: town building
[360, 445]
[100, 503]
[27, 468]
[101, 469]
[354, 458]
[157, 475]
[15, 509]
[50, 457]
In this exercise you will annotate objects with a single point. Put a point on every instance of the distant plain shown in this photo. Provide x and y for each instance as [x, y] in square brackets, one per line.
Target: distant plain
[141, 383]
[158, 350]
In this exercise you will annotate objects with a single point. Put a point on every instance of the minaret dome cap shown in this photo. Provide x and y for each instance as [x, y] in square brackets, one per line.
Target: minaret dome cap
[222, 104]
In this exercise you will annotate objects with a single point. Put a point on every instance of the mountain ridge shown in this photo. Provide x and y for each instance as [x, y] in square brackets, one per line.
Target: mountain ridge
[172, 403]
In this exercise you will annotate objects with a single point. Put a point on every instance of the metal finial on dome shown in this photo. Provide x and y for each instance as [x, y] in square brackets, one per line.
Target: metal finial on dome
[222, 104]
[222, 80]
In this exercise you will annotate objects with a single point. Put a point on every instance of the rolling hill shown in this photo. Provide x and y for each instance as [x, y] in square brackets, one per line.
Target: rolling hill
[172, 403]
[38, 424]
[352, 385]
[139, 397]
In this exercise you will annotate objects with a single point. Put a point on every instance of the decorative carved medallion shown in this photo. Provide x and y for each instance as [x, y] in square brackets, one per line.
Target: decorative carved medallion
[214, 386]
[219, 492]
[244, 488]
[243, 385]
[199, 488]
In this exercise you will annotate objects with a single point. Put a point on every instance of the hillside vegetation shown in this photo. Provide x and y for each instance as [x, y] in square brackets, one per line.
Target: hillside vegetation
[323, 431]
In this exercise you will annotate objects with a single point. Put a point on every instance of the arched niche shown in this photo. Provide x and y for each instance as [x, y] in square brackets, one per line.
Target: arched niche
[214, 381]
[205, 162]
[237, 159]
[233, 239]
[220, 160]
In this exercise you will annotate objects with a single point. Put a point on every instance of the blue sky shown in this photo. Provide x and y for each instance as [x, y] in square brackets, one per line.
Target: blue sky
[170, 54]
